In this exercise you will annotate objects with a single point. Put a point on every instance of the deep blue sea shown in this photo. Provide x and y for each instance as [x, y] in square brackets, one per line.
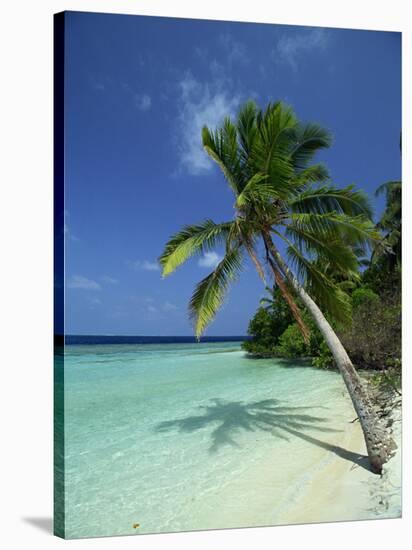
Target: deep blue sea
[72, 339]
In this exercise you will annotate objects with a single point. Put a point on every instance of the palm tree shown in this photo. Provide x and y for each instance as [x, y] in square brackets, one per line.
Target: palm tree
[389, 250]
[384, 267]
[269, 303]
[281, 197]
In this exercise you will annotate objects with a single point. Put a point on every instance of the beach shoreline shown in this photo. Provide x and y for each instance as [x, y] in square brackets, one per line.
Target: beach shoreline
[347, 492]
[338, 487]
[263, 444]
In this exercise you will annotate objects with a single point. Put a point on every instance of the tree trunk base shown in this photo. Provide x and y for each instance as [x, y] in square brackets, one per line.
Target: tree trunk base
[379, 455]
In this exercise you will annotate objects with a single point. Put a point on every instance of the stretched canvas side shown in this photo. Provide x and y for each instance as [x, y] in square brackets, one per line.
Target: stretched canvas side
[58, 203]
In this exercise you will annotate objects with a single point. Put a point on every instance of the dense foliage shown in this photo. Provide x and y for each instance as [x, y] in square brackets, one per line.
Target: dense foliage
[372, 334]
[275, 332]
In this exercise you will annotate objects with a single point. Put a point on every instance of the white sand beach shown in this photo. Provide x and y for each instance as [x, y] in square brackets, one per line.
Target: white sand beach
[343, 491]
[336, 486]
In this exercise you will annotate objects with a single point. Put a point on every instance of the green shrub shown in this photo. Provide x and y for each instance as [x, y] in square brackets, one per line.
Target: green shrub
[291, 343]
[267, 325]
[324, 358]
[362, 296]
[258, 349]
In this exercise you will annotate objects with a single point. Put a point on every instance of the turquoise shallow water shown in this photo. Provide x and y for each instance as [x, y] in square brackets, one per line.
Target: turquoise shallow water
[191, 436]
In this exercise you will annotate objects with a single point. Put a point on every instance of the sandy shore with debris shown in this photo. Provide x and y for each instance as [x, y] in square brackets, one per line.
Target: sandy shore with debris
[343, 491]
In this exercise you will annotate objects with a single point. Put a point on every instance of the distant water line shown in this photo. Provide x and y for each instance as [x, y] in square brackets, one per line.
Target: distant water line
[74, 339]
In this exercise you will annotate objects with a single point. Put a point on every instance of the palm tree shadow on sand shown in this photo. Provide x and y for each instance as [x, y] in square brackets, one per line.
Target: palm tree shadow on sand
[230, 418]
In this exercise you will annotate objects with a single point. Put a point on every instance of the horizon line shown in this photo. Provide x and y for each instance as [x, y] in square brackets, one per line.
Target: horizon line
[155, 335]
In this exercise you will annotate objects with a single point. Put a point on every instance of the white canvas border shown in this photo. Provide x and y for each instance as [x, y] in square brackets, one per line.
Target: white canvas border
[26, 273]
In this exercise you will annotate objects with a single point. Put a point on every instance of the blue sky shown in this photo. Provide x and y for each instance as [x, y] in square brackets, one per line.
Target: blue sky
[138, 90]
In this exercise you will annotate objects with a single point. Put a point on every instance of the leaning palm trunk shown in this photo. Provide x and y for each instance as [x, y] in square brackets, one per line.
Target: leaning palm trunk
[379, 444]
[291, 303]
[266, 159]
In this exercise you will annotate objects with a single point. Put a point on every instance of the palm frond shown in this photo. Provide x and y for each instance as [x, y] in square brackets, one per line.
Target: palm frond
[387, 187]
[192, 239]
[327, 198]
[391, 218]
[210, 292]
[256, 190]
[325, 292]
[250, 248]
[331, 250]
[316, 173]
[308, 140]
[222, 146]
[246, 127]
[268, 152]
[355, 231]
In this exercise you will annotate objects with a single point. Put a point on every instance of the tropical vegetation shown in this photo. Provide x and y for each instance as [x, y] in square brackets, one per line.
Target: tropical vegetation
[299, 230]
[372, 335]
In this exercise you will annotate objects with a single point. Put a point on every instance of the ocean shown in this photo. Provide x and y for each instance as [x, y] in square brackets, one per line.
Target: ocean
[163, 437]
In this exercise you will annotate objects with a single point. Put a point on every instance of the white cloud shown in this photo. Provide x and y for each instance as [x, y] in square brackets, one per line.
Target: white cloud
[146, 265]
[80, 282]
[150, 266]
[290, 47]
[208, 101]
[168, 306]
[67, 231]
[209, 259]
[109, 280]
[200, 105]
[233, 51]
[143, 102]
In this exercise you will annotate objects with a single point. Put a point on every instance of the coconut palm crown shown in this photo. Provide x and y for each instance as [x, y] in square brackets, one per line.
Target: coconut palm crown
[280, 195]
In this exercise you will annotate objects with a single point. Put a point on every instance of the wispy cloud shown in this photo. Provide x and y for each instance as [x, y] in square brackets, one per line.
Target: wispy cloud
[93, 301]
[83, 283]
[143, 102]
[208, 100]
[68, 233]
[200, 105]
[291, 47]
[109, 280]
[168, 306]
[97, 82]
[234, 51]
[138, 97]
[121, 90]
[150, 266]
[230, 52]
[146, 265]
[209, 259]
[157, 310]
